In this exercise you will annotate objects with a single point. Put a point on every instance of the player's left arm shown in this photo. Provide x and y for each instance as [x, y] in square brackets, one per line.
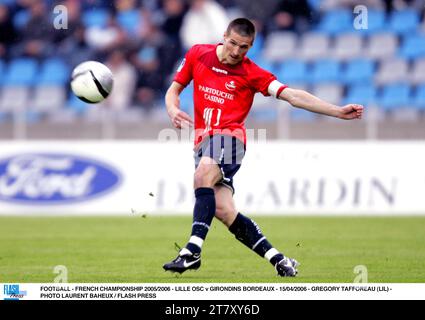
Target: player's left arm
[303, 99]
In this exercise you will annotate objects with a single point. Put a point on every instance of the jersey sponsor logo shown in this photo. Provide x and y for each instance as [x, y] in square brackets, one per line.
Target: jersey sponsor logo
[230, 86]
[219, 70]
[181, 65]
[53, 178]
[215, 95]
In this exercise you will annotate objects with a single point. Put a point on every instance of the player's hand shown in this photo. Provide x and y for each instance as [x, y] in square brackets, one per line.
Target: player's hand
[180, 119]
[351, 111]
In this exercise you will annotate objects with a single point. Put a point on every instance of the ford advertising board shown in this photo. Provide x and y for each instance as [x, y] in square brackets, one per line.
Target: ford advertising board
[54, 178]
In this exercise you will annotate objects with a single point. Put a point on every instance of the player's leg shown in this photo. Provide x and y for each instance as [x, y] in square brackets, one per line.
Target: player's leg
[249, 233]
[207, 174]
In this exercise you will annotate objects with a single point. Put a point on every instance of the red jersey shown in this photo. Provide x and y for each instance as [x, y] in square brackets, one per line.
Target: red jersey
[223, 94]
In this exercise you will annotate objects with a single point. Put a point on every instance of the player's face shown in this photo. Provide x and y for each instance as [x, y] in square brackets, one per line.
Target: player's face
[235, 47]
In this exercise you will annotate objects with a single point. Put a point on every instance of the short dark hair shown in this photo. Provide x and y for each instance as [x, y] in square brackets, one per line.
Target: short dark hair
[243, 27]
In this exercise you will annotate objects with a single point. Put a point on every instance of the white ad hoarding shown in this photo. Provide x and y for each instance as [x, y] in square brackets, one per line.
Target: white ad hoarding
[58, 177]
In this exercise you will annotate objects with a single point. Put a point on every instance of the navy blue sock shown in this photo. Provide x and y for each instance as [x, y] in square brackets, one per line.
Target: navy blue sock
[203, 214]
[249, 233]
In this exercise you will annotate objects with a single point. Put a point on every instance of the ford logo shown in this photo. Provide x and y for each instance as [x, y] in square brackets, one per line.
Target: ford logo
[46, 178]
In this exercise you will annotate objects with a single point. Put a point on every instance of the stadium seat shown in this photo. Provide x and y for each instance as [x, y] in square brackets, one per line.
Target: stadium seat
[78, 106]
[315, 4]
[279, 46]
[21, 72]
[95, 18]
[48, 98]
[301, 115]
[186, 99]
[417, 75]
[403, 22]
[395, 96]
[265, 114]
[256, 50]
[293, 72]
[329, 92]
[21, 18]
[419, 97]
[348, 46]
[95, 114]
[64, 115]
[364, 94]
[7, 2]
[326, 70]
[413, 46]
[359, 71]
[314, 46]
[381, 46]
[132, 115]
[393, 70]
[3, 117]
[262, 102]
[267, 64]
[336, 22]
[53, 72]
[14, 98]
[129, 20]
[1, 71]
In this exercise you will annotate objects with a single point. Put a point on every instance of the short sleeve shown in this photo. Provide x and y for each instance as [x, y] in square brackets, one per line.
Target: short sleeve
[184, 73]
[261, 80]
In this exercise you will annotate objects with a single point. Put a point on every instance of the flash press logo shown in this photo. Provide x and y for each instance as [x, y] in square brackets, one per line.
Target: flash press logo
[12, 292]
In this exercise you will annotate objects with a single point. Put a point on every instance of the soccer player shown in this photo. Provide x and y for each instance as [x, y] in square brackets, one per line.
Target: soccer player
[225, 82]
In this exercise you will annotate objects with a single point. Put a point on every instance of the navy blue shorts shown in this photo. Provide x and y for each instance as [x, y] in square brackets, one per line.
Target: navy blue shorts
[227, 151]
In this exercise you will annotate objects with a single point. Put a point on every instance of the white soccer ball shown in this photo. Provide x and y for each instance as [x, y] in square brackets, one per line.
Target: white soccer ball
[91, 81]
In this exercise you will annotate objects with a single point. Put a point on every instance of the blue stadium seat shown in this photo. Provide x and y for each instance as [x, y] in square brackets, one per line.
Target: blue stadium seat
[336, 22]
[326, 71]
[403, 22]
[359, 71]
[364, 94]
[413, 46]
[266, 115]
[1, 71]
[21, 18]
[95, 18]
[32, 116]
[3, 117]
[77, 105]
[293, 72]
[255, 52]
[186, 99]
[129, 20]
[301, 115]
[21, 72]
[53, 72]
[267, 64]
[395, 96]
[315, 4]
[419, 97]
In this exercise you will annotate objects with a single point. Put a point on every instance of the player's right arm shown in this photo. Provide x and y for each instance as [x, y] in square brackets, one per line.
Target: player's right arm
[178, 117]
[182, 78]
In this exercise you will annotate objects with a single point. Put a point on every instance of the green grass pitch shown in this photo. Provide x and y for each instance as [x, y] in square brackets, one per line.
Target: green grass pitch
[133, 249]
